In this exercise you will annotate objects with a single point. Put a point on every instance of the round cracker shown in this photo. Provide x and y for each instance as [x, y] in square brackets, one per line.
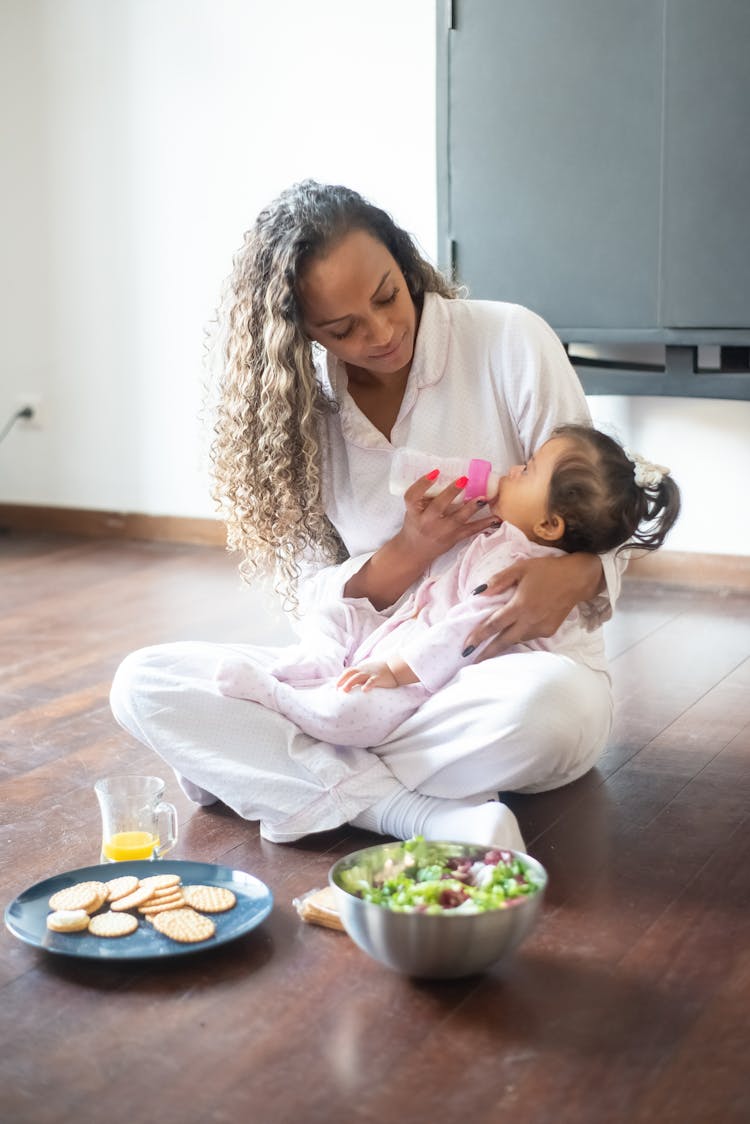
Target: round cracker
[175, 892]
[160, 881]
[151, 907]
[111, 924]
[83, 895]
[100, 899]
[121, 887]
[209, 899]
[184, 925]
[166, 892]
[68, 921]
[130, 901]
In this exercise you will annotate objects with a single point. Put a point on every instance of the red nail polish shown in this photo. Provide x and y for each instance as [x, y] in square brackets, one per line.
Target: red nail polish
[461, 482]
[433, 475]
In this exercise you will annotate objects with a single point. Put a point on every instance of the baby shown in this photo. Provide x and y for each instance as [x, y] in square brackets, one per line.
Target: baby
[579, 492]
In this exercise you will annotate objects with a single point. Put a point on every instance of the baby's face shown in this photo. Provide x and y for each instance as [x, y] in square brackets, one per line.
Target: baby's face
[523, 493]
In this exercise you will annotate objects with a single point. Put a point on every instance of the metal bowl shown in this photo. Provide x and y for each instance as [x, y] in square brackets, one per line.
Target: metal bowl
[427, 945]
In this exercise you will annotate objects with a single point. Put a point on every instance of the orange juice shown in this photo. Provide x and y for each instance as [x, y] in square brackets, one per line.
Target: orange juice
[130, 845]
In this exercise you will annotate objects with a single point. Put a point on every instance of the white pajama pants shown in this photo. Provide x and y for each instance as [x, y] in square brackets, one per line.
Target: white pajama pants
[523, 722]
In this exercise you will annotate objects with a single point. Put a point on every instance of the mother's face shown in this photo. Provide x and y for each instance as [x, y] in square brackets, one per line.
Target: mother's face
[356, 303]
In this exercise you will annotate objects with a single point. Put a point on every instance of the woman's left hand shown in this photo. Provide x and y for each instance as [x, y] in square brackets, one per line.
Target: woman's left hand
[546, 590]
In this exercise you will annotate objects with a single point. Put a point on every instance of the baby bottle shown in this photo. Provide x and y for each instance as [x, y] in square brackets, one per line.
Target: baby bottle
[409, 464]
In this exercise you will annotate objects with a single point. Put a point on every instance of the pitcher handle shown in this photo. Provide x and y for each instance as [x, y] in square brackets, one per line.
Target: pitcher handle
[166, 819]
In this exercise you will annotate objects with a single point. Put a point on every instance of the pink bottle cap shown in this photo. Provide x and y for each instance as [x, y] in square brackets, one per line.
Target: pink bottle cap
[479, 472]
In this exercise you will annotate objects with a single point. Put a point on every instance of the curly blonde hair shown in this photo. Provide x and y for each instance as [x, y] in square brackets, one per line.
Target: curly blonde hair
[269, 403]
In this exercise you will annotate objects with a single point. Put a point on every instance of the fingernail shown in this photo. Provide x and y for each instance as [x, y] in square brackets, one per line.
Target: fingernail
[469, 650]
[480, 588]
[461, 482]
[433, 475]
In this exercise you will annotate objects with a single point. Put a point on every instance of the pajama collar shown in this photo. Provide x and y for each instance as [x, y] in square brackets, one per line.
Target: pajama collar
[427, 368]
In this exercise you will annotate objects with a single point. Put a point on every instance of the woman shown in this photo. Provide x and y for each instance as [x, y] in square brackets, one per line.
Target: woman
[340, 344]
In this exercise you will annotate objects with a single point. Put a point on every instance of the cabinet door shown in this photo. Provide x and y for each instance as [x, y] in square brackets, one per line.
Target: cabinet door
[553, 129]
[596, 163]
[706, 226]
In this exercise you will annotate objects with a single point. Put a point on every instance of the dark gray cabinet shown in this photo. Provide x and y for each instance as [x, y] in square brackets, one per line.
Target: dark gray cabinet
[705, 229]
[594, 164]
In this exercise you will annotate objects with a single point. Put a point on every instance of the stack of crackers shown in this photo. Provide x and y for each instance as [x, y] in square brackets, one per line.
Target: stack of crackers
[318, 907]
[177, 911]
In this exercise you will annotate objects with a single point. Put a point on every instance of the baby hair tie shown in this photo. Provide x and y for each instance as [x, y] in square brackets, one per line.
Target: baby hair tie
[647, 474]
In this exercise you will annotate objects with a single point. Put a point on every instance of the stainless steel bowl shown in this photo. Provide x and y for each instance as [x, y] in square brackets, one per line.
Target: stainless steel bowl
[432, 946]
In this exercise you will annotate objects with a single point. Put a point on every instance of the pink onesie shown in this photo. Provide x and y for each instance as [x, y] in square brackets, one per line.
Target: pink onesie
[429, 632]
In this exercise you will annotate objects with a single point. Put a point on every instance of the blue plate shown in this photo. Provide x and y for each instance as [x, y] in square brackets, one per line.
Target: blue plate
[26, 916]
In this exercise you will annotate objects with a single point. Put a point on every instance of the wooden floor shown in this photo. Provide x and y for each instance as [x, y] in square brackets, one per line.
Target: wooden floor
[629, 1003]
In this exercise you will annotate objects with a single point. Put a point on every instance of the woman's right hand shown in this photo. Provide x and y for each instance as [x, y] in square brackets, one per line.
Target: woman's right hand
[431, 526]
[434, 524]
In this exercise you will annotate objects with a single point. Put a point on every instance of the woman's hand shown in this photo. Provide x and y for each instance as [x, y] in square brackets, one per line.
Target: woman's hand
[546, 590]
[434, 524]
[431, 526]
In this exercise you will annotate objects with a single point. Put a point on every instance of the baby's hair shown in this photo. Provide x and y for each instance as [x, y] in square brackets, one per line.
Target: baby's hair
[593, 488]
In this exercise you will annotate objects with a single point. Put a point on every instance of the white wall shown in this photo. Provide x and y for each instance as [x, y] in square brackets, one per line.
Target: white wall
[706, 444]
[143, 136]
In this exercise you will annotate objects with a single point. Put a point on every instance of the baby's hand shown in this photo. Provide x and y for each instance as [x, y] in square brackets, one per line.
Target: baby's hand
[371, 673]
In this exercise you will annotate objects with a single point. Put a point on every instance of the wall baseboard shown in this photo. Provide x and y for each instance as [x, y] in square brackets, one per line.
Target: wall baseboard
[90, 524]
[697, 571]
[702, 571]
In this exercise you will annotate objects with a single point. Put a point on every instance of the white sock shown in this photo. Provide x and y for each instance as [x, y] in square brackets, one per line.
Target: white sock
[406, 814]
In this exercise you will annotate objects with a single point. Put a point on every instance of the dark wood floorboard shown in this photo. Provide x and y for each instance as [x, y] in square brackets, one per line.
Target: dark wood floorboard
[629, 1003]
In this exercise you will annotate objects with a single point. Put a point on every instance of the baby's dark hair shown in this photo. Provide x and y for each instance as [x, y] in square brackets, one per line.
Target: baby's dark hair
[593, 488]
